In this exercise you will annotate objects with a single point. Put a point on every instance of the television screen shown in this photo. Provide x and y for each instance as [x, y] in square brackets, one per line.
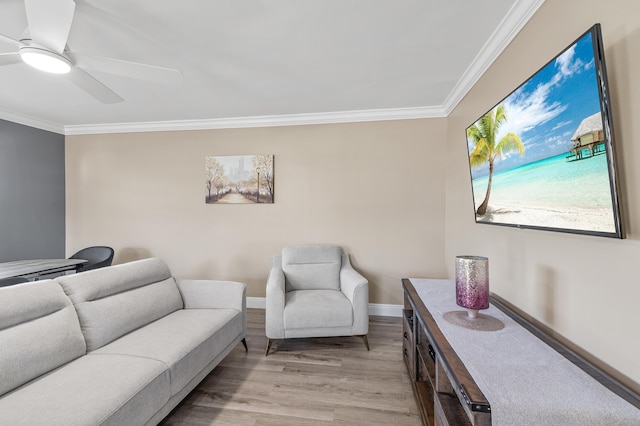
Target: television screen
[543, 157]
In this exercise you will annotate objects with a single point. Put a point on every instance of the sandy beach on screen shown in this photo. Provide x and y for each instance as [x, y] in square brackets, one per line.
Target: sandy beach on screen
[600, 220]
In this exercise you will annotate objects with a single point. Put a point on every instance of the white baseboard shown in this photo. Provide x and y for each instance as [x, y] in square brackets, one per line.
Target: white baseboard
[256, 302]
[384, 310]
[374, 308]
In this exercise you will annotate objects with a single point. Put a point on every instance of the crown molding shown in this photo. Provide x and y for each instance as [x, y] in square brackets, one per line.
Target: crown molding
[259, 121]
[32, 122]
[513, 22]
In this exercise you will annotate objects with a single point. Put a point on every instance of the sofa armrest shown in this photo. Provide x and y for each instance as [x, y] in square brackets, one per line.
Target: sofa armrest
[210, 294]
[274, 312]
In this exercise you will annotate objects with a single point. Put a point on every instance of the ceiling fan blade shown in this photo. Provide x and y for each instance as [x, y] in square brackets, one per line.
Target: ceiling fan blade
[128, 69]
[9, 40]
[99, 14]
[50, 21]
[10, 58]
[93, 87]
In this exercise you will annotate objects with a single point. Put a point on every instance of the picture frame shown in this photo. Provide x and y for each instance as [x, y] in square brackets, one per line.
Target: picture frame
[239, 179]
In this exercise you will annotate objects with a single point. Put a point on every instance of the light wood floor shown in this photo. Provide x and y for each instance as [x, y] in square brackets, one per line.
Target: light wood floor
[306, 382]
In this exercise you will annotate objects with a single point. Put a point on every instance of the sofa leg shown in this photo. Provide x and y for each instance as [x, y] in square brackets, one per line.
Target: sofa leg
[366, 342]
[244, 342]
[269, 342]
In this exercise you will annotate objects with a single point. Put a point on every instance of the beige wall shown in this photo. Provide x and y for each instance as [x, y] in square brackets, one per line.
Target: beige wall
[586, 288]
[377, 189]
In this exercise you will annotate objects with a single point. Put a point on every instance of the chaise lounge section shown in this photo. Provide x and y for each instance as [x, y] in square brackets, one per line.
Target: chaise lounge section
[112, 346]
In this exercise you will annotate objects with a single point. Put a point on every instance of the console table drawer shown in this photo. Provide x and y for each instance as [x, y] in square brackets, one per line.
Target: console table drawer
[407, 342]
[426, 358]
[448, 412]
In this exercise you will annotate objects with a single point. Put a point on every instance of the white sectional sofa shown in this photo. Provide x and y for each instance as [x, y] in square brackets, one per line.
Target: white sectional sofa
[121, 345]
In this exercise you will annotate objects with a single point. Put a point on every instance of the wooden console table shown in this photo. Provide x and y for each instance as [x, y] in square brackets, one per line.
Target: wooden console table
[470, 377]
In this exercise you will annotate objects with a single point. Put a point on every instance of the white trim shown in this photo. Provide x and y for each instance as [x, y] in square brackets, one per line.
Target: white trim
[257, 302]
[385, 310]
[32, 122]
[514, 20]
[374, 308]
[261, 121]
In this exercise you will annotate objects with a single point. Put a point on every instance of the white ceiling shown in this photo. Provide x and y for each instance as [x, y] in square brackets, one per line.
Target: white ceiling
[264, 62]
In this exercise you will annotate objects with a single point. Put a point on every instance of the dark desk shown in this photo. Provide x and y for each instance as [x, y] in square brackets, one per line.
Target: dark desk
[36, 268]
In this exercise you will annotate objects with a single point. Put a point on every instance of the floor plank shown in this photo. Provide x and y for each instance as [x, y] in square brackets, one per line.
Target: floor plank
[321, 381]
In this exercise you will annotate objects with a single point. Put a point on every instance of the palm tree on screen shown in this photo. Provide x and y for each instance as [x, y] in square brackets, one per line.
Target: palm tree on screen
[487, 149]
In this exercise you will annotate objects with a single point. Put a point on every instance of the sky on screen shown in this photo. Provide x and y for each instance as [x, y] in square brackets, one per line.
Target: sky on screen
[548, 108]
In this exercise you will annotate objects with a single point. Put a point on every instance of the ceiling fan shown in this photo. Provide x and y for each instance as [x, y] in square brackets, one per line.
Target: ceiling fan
[49, 23]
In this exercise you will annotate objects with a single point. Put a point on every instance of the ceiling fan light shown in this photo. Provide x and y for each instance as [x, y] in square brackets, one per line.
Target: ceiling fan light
[45, 60]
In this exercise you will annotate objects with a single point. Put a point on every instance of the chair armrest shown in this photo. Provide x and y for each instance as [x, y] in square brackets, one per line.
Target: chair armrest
[274, 312]
[356, 288]
[350, 280]
[210, 294]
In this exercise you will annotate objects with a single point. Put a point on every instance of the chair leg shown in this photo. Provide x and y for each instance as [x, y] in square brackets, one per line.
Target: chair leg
[269, 342]
[244, 342]
[366, 342]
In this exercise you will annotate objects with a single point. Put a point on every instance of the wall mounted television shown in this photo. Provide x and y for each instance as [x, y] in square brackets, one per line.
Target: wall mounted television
[543, 157]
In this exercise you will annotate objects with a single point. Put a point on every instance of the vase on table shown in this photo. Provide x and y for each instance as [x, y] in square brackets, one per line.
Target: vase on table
[472, 283]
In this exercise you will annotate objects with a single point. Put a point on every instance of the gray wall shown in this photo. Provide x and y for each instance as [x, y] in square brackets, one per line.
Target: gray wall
[32, 193]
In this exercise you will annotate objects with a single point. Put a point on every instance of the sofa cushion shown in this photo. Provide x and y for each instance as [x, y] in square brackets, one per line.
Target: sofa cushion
[39, 331]
[317, 309]
[114, 301]
[186, 341]
[92, 390]
[313, 267]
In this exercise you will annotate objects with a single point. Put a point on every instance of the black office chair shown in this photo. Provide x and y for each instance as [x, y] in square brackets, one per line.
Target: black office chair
[13, 280]
[97, 256]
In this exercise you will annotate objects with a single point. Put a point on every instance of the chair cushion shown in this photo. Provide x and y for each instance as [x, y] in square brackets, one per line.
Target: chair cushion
[92, 390]
[39, 331]
[312, 267]
[185, 341]
[317, 309]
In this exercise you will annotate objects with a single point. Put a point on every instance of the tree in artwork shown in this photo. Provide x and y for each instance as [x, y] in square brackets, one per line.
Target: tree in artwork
[263, 166]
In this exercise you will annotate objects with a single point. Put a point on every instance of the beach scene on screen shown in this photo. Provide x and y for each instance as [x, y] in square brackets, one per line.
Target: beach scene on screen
[540, 157]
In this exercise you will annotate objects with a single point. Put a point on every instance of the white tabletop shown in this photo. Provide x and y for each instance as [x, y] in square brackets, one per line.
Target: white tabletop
[30, 268]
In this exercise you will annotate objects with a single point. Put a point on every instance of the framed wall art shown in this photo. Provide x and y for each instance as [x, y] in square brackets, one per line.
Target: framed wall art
[239, 179]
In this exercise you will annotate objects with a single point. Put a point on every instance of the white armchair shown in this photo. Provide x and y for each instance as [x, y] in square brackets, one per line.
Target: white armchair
[313, 291]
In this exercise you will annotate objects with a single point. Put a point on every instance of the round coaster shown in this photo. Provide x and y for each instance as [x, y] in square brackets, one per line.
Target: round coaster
[481, 323]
